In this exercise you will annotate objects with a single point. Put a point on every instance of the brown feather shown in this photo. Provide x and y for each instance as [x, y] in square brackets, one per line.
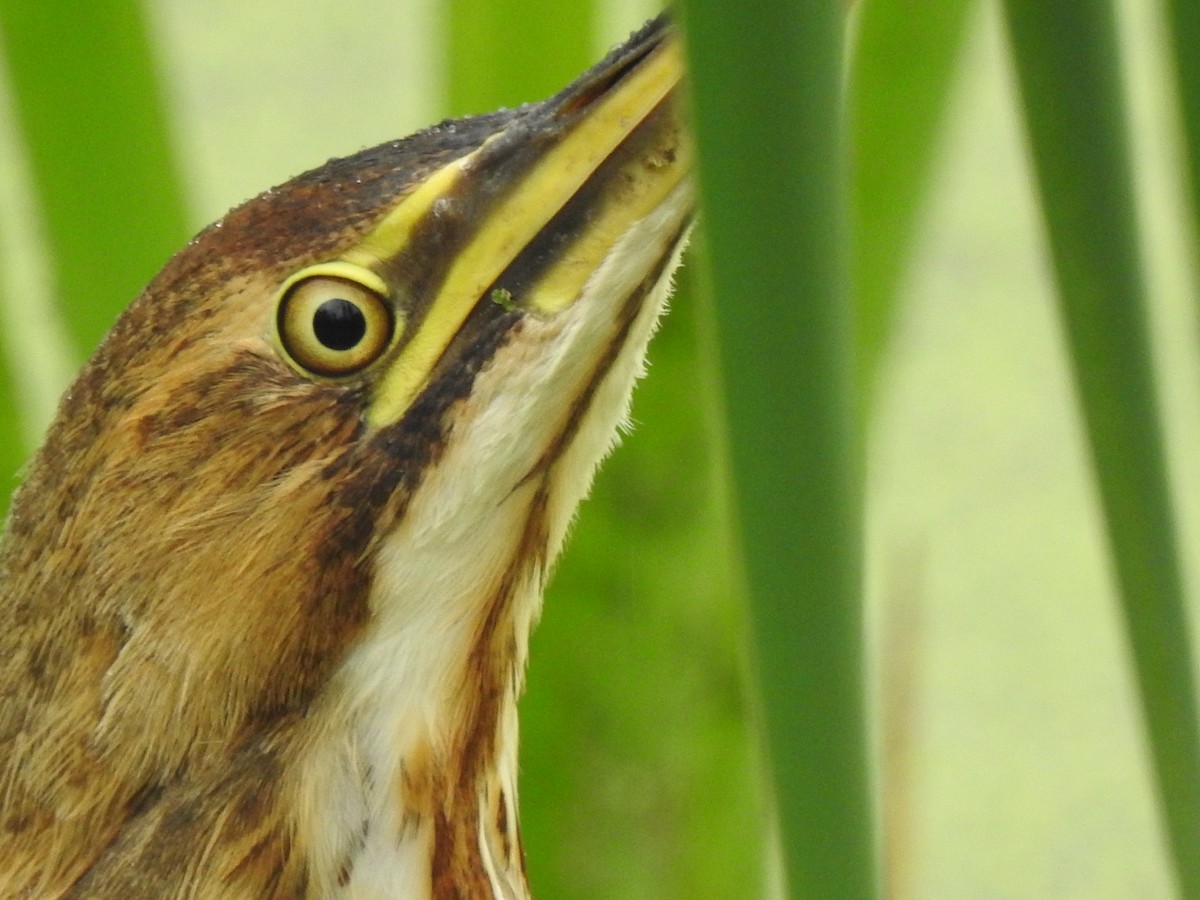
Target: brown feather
[193, 560]
[108, 695]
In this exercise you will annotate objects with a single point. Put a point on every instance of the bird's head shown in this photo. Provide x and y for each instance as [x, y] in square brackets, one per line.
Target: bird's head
[294, 518]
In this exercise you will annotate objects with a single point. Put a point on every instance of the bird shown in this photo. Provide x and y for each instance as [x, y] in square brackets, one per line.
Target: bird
[266, 589]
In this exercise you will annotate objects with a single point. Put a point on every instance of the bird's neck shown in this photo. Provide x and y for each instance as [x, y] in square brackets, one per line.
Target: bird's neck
[423, 793]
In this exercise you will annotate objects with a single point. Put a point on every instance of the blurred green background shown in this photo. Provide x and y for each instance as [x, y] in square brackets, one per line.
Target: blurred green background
[1015, 767]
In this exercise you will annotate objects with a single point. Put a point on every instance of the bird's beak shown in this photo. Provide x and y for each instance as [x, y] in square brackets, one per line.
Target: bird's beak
[525, 219]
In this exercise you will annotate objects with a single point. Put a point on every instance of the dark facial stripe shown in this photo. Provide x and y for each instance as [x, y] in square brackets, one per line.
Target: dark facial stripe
[573, 221]
[498, 170]
[629, 312]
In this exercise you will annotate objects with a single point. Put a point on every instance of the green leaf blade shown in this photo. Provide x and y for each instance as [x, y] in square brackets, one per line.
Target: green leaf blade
[901, 74]
[90, 110]
[766, 102]
[1069, 77]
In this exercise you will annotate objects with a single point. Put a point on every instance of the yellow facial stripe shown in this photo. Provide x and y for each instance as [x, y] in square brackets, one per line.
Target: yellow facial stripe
[396, 228]
[562, 284]
[515, 221]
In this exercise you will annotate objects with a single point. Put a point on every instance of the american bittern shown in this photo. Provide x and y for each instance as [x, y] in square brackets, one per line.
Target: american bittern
[267, 588]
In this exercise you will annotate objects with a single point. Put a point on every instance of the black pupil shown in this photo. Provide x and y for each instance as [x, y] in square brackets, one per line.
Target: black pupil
[339, 324]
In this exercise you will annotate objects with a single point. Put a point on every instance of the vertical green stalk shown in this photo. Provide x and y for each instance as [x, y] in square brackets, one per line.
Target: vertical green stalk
[504, 53]
[1183, 17]
[766, 83]
[1069, 77]
[89, 108]
[902, 69]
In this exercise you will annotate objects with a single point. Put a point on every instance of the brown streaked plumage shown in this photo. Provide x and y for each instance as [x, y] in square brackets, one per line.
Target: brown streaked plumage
[266, 593]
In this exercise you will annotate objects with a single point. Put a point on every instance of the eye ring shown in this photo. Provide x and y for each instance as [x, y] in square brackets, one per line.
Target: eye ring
[332, 325]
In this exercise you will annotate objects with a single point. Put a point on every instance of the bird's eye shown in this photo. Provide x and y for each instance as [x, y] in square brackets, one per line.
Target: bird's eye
[333, 326]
